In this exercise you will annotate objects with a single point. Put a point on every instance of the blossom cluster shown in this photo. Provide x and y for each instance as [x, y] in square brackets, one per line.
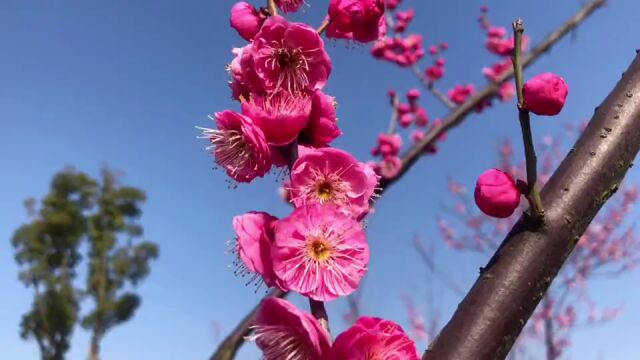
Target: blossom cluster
[285, 120]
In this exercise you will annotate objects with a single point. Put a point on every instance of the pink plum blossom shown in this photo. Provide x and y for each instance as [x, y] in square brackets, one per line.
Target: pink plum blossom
[282, 331]
[359, 20]
[545, 94]
[254, 236]
[320, 252]
[289, 6]
[322, 127]
[374, 338]
[238, 146]
[290, 56]
[246, 20]
[388, 145]
[331, 176]
[281, 116]
[496, 193]
[460, 93]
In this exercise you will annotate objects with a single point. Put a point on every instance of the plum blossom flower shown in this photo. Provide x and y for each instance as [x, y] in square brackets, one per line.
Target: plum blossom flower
[331, 176]
[374, 338]
[246, 20]
[254, 236]
[496, 194]
[282, 331]
[389, 167]
[280, 116]
[289, 6]
[244, 79]
[290, 56]
[545, 94]
[359, 20]
[322, 127]
[388, 145]
[460, 93]
[238, 146]
[320, 252]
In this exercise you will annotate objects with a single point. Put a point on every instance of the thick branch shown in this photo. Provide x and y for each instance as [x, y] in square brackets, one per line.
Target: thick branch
[491, 316]
[232, 343]
[459, 114]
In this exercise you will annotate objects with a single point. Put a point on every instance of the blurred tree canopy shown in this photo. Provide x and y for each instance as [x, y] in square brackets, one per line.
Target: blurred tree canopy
[49, 249]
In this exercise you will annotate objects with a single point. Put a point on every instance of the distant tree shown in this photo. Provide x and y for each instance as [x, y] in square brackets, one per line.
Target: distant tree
[114, 260]
[47, 250]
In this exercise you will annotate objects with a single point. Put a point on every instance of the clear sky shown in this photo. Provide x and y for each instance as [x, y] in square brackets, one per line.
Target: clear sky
[85, 83]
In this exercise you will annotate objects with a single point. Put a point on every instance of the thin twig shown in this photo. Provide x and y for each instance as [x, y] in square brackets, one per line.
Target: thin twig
[533, 193]
[325, 23]
[430, 86]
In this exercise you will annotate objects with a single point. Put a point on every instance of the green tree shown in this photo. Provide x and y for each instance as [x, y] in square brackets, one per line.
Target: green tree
[46, 251]
[78, 208]
[115, 266]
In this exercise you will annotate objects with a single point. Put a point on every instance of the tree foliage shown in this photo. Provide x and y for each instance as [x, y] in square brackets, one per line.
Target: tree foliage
[48, 251]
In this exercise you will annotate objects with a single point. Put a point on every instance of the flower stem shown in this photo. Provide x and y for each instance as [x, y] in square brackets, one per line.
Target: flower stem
[429, 85]
[325, 23]
[533, 195]
[393, 121]
[272, 7]
[320, 313]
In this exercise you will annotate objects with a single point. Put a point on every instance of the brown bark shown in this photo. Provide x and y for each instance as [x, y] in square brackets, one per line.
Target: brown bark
[491, 316]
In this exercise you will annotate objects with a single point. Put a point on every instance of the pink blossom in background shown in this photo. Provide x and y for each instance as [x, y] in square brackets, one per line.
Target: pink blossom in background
[405, 120]
[238, 146]
[254, 236]
[282, 331]
[460, 93]
[388, 145]
[507, 91]
[331, 176]
[359, 20]
[404, 52]
[422, 119]
[320, 252]
[389, 167]
[545, 94]
[413, 95]
[392, 4]
[246, 20]
[290, 56]
[496, 70]
[434, 73]
[289, 6]
[374, 338]
[280, 116]
[322, 127]
[496, 193]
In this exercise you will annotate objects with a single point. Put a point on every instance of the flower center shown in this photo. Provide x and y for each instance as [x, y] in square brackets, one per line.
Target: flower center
[324, 191]
[293, 66]
[319, 249]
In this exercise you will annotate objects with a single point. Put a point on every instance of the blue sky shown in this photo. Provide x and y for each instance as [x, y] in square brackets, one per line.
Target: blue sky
[124, 83]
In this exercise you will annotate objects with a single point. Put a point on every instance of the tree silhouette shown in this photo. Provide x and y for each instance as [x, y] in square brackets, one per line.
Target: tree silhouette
[47, 250]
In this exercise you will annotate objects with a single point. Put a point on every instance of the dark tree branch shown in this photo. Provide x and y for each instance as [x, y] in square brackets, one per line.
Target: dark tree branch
[231, 344]
[228, 348]
[491, 316]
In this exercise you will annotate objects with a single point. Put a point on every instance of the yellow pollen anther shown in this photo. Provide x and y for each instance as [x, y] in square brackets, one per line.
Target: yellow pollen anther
[319, 250]
[324, 191]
